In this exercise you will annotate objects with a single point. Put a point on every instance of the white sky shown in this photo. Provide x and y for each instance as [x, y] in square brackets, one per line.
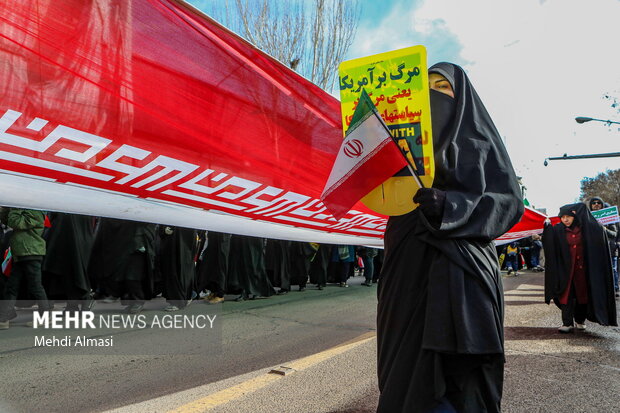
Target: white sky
[535, 64]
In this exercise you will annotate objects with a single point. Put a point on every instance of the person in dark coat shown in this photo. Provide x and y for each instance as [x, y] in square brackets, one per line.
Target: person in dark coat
[536, 249]
[27, 249]
[213, 267]
[613, 235]
[65, 267]
[578, 271]
[301, 254]
[278, 263]
[319, 265]
[378, 263]
[368, 255]
[247, 273]
[123, 261]
[440, 301]
[176, 264]
[343, 258]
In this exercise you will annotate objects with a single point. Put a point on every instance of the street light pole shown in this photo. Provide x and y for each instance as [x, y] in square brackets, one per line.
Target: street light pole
[583, 119]
[566, 157]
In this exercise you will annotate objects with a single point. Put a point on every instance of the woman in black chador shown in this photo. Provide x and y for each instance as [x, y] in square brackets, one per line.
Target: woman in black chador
[578, 269]
[440, 311]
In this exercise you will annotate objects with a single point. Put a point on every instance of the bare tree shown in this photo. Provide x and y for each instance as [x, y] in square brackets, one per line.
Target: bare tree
[311, 37]
[605, 185]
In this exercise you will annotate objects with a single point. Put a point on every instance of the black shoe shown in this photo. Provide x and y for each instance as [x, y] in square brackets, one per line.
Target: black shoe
[302, 288]
[319, 287]
[282, 292]
[240, 298]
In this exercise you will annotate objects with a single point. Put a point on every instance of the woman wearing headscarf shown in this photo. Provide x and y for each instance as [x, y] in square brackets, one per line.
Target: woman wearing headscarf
[440, 310]
[578, 270]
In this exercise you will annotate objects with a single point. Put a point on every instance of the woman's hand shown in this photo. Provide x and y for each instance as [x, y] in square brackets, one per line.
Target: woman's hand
[431, 202]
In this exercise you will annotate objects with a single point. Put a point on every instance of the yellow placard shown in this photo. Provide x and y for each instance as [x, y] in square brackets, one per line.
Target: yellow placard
[397, 83]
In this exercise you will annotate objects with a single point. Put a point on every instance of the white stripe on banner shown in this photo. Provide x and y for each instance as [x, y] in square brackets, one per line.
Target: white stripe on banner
[365, 139]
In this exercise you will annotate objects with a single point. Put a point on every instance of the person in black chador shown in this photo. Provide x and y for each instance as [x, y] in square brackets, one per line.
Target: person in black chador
[578, 271]
[213, 267]
[122, 261]
[247, 274]
[177, 249]
[301, 254]
[65, 267]
[278, 264]
[319, 265]
[440, 304]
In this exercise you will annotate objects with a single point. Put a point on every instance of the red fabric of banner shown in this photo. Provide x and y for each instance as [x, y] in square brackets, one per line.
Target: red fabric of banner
[151, 99]
[532, 222]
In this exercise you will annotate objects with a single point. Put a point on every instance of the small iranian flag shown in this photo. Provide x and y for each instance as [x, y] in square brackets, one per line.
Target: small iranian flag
[367, 157]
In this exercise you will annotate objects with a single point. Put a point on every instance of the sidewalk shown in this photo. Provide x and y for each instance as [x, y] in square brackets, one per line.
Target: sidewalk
[545, 370]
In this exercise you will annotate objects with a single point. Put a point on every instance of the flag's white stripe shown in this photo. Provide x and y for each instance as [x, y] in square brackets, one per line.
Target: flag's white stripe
[355, 168]
[372, 134]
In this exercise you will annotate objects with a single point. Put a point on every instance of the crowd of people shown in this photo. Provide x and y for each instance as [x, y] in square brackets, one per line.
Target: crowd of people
[526, 253]
[80, 259]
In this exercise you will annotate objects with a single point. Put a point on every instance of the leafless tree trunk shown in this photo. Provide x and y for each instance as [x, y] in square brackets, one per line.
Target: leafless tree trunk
[311, 37]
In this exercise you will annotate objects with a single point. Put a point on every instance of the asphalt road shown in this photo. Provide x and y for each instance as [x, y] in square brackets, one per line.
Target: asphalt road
[254, 334]
[545, 370]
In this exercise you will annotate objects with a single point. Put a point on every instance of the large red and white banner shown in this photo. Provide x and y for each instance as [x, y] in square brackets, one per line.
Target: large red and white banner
[149, 110]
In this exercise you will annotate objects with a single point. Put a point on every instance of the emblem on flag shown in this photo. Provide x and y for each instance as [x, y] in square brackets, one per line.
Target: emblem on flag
[354, 148]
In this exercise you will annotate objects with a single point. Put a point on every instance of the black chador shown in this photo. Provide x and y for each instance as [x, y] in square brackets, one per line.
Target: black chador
[301, 254]
[247, 273]
[440, 309]
[65, 267]
[319, 265]
[601, 304]
[213, 265]
[177, 250]
[278, 262]
[123, 259]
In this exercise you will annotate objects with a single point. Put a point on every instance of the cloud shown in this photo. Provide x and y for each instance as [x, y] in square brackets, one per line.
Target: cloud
[398, 30]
